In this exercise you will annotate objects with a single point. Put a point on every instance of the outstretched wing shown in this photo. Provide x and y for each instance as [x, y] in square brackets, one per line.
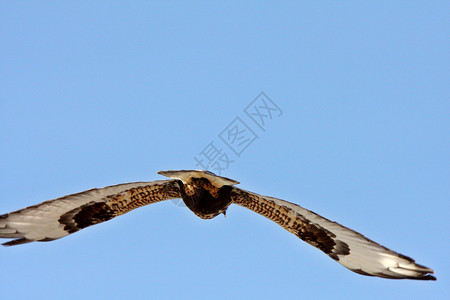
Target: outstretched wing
[54, 219]
[348, 247]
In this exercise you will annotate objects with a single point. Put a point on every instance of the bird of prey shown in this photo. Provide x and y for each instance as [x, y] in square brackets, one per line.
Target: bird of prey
[206, 195]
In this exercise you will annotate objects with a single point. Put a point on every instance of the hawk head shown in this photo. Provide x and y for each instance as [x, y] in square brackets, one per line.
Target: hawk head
[204, 193]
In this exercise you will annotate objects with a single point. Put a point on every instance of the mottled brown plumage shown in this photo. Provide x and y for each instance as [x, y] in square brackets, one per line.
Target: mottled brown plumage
[207, 195]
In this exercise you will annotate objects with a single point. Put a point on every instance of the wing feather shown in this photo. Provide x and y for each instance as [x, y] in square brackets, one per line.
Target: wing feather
[348, 247]
[59, 217]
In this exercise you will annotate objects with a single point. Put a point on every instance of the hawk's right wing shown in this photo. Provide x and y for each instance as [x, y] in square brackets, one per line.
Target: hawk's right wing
[346, 246]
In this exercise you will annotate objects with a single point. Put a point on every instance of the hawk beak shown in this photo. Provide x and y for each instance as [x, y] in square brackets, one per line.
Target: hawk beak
[224, 214]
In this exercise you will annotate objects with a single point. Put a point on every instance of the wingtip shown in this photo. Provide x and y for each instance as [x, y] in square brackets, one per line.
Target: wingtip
[426, 275]
[17, 242]
[412, 271]
[429, 277]
[421, 272]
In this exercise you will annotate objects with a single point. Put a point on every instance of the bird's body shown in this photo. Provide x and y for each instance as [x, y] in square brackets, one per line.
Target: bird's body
[207, 195]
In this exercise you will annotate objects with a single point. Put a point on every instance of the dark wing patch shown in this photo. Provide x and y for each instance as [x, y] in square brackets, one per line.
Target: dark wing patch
[295, 223]
[118, 204]
[350, 248]
[86, 215]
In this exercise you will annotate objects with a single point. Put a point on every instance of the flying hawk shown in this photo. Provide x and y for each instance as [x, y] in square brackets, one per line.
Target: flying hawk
[206, 195]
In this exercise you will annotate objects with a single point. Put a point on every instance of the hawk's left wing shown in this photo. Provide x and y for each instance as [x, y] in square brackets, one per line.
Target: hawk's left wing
[54, 219]
[346, 246]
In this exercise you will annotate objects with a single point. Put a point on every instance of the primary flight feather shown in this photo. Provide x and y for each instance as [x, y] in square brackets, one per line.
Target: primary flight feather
[207, 195]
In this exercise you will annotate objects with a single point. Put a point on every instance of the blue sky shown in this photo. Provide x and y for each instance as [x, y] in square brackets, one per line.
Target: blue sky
[100, 93]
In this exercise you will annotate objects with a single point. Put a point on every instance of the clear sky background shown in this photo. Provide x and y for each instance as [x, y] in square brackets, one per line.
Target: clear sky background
[96, 93]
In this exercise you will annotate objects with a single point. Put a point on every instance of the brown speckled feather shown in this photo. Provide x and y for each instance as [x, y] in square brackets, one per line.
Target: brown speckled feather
[344, 245]
[57, 218]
